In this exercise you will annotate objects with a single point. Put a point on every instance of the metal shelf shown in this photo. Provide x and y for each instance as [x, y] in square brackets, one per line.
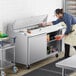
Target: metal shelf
[5, 48]
[52, 54]
[51, 41]
[6, 60]
[6, 64]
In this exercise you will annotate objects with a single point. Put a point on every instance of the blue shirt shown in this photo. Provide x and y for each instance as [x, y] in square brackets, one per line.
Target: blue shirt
[69, 20]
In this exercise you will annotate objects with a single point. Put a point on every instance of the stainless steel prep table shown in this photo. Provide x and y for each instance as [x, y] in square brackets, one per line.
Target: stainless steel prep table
[32, 47]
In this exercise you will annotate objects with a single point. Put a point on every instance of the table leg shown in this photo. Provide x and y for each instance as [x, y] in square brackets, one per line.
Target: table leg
[63, 72]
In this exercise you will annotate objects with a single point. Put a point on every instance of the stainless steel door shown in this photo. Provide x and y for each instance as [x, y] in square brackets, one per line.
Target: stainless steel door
[37, 48]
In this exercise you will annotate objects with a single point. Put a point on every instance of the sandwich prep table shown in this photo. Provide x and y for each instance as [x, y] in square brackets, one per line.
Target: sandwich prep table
[31, 39]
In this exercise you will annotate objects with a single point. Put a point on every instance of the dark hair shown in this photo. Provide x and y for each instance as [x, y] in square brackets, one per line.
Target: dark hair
[59, 11]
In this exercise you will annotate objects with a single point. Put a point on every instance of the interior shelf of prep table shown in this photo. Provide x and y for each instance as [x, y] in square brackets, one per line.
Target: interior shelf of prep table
[53, 46]
[52, 54]
[53, 41]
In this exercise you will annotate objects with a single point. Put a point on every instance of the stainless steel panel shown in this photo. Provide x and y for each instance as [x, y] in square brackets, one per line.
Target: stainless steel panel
[37, 48]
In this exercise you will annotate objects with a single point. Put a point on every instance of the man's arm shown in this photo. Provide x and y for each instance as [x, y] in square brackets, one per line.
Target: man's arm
[51, 23]
[57, 21]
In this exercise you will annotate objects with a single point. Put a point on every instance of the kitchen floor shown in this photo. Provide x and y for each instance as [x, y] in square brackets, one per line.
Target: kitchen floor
[22, 68]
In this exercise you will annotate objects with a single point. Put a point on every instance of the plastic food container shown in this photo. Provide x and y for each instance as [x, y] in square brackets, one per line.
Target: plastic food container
[3, 35]
[48, 38]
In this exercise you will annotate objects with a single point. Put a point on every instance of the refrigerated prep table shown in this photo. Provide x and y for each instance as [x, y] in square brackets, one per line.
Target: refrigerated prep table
[31, 39]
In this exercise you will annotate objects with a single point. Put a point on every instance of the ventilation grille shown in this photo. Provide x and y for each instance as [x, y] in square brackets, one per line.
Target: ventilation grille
[70, 7]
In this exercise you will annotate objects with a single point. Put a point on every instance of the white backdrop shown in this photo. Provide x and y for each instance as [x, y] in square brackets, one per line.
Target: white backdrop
[15, 9]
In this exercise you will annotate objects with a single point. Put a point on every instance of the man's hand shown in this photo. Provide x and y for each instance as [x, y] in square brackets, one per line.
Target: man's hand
[49, 23]
[46, 23]
[43, 23]
[59, 37]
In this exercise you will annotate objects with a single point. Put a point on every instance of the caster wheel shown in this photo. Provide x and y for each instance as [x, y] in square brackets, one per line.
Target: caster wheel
[3, 73]
[15, 69]
[28, 67]
[57, 55]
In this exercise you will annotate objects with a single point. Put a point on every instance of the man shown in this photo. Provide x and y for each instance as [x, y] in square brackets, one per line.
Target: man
[69, 20]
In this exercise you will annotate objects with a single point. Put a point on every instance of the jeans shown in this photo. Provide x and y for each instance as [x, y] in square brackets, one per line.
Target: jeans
[67, 50]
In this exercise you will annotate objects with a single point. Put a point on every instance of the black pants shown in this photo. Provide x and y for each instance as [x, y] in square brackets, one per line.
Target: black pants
[67, 50]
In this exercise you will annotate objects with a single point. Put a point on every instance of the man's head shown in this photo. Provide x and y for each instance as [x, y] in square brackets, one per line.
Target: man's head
[59, 13]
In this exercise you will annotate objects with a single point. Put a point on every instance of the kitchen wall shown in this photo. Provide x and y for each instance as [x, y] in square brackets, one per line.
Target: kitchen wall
[15, 9]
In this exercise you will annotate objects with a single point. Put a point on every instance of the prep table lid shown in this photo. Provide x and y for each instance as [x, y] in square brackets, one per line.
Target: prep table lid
[28, 22]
